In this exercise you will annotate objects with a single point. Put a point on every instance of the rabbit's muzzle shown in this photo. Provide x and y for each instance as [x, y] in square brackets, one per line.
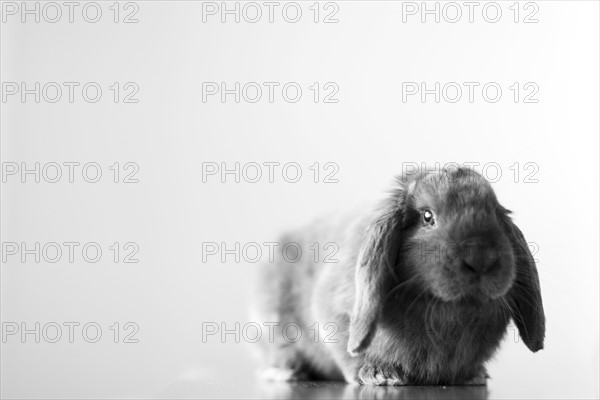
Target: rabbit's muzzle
[481, 267]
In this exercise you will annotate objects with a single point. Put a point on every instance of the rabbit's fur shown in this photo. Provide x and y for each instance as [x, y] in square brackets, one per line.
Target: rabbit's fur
[410, 301]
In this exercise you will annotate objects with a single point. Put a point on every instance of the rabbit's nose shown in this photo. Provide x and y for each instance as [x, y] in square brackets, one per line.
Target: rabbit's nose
[478, 259]
[467, 268]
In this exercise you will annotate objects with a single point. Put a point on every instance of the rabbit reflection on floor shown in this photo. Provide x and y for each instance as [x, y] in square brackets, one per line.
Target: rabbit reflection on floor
[332, 390]
[421, 294]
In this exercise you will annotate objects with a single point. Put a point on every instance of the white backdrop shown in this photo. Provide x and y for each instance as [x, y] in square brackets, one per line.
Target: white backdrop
[370, 58]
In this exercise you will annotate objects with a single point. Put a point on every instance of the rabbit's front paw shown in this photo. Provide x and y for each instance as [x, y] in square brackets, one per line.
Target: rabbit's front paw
[380, 375]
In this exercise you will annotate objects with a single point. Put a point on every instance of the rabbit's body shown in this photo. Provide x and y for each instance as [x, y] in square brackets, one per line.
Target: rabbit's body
[292, 292]
[385, 316]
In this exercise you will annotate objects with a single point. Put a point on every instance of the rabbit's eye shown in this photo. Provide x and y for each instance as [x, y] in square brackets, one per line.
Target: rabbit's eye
[428, 217]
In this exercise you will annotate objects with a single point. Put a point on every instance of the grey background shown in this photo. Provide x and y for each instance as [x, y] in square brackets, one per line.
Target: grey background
[369, 133]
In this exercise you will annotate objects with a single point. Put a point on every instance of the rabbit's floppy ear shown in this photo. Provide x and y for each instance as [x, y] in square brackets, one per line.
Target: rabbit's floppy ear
[525, 297]
[376, 260]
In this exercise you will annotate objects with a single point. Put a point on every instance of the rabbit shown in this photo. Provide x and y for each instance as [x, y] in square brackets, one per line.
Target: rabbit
[419, 292]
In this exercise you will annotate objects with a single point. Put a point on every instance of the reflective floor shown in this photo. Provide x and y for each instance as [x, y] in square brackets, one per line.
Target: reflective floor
[319, 390]
[530, 385]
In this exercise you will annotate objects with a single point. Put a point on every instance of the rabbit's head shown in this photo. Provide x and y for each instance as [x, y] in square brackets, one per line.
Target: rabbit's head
[445, 233]
[455, 242]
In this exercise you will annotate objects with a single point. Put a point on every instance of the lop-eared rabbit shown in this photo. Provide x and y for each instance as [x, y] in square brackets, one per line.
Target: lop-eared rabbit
[418, 292]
